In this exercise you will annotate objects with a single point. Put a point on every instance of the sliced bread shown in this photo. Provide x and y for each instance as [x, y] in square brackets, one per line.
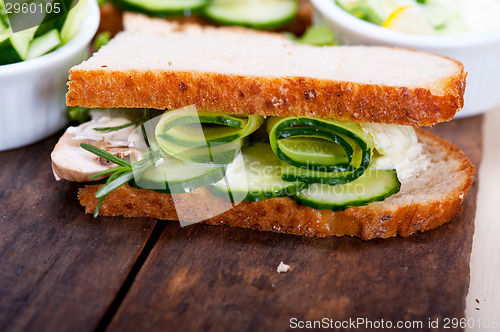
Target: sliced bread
[162, 65]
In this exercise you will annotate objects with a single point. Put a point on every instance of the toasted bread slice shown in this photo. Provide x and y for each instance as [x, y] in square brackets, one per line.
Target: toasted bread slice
[162, 65]
[424, 202]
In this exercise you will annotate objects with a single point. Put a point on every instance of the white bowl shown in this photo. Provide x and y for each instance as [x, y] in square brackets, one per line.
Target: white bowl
[479, 52]
[32, 92]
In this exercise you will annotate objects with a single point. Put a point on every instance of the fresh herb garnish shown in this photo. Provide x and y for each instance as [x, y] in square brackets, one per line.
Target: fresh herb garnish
[78, 114]
[316, 35]
[121, 174]
[102, 39]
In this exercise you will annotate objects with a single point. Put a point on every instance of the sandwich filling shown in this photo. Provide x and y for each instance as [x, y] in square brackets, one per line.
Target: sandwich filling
[321, 163]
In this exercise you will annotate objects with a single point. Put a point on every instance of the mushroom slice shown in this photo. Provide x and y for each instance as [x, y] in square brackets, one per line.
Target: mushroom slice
[73, 163]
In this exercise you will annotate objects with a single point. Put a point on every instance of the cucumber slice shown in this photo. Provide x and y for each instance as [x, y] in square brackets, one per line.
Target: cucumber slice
[204, 137]
[319, 150]
[374, 185]
[9, 51]
[316, 150]
[4, 29]
[73, 21]
[174, 176]
[255, 177]
[44, 44]
[4, 19]
[162, 7]
[259, 14]
[14, 48]
[53, 20]
[182, 130]
[216, 153]
[293, 173]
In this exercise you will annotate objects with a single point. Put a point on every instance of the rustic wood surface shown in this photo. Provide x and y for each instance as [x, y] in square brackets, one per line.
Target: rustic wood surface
[61, 270]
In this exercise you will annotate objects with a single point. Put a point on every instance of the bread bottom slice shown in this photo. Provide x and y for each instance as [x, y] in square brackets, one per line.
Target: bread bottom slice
[424, 202]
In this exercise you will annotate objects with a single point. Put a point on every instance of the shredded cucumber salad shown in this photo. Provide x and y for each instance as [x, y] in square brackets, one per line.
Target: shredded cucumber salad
[428, 16]
[52, 33]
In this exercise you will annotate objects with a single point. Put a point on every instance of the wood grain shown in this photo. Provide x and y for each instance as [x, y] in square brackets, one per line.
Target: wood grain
[212, 278]
[59, 268]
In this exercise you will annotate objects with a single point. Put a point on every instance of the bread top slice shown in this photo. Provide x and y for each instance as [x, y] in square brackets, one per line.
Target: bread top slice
[158, 64]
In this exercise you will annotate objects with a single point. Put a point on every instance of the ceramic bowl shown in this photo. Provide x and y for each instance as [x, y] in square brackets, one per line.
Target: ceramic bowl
[32, 92]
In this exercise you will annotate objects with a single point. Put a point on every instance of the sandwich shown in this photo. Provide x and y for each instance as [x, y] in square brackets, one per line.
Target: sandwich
[230, 126]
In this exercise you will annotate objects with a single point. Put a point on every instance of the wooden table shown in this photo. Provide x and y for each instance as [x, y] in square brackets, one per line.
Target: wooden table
[62, 270]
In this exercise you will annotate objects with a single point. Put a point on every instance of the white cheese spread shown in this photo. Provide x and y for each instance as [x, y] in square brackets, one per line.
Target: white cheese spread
[102, 119]
[396, 147]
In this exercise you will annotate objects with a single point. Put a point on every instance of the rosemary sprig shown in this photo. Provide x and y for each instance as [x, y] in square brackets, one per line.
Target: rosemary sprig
[116, 180]
[121, 174]
[111, 170]
[106, 155]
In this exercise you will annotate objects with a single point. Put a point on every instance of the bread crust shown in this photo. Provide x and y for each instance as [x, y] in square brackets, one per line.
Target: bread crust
[391, 217]
[268, 96]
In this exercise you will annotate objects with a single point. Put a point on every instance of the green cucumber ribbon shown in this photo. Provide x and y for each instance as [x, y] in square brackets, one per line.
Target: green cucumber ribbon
[319, 150]
[204, 137]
